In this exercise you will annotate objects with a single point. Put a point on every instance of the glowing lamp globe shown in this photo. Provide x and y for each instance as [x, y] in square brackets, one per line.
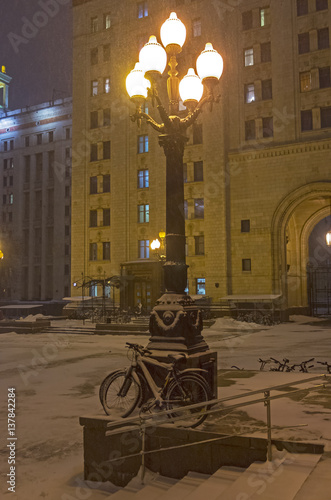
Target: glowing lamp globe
[190, 87]
[155, 244]
[153, 57]
[328, 238]
[173, 31]
[136, 83]
[209, 63]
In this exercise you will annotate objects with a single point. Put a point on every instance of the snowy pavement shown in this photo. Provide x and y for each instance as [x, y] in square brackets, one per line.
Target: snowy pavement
[56, 380]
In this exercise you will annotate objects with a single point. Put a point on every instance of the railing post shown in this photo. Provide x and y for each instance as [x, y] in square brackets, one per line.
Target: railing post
[142, 453]
[267, 404]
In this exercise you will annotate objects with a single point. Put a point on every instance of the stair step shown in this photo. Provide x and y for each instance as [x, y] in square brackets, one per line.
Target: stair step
[185, 487]
[222, 479]
[281, 478]
[155, 489]
[315, 485]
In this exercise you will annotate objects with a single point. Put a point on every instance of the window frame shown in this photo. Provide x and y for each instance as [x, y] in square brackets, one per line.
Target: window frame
[249, 57]
[143, 213]
[199, 208]
[143, 178]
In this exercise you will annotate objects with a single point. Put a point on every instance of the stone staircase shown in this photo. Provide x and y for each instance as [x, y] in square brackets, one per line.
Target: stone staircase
[70, 329]
[289, 477]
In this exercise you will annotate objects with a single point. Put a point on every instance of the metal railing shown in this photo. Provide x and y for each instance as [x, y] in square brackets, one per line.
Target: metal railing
[145, 421]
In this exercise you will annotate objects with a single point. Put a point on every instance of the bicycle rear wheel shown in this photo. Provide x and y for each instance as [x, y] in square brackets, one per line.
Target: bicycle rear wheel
[187, 390]
[120, 394]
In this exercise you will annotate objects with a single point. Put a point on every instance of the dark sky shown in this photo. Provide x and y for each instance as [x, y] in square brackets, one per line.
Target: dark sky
[36, 48]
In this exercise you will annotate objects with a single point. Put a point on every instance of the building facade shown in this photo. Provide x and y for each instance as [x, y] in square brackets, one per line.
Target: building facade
[257, 169]
[35, 193]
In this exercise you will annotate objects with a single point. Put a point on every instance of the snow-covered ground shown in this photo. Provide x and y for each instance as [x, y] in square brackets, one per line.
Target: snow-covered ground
[56, 380]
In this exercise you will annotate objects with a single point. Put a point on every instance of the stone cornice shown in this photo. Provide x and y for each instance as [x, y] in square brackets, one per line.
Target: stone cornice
[285, 150]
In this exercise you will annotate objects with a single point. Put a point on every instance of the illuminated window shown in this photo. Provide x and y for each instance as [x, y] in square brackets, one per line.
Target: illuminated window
[199, 243]
[306, 120]
[266, 90]
[142, 10]
[201, 286]
[106, 84]
[250, 132]
[196, 27]
[94, 87]
[143, 179]
[143, 214]
[302, 7]
[247, 20]
[323, 38]
[303, 43]
[249, 93]
[324, 77]
[143, 249]
[246, 264]
[142, 143]
[199, 208]
[106, 21]
[305, 81]
[94, 25]
[264, 16]
[249, 57]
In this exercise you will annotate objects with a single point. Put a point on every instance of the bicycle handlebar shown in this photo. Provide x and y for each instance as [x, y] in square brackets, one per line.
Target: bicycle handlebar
[139, 348]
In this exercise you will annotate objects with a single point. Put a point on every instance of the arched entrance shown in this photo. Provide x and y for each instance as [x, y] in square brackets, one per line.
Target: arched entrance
[294, 221]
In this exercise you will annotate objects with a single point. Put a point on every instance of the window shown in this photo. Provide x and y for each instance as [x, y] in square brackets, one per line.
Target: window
[245, 226]
[323, 38]
[68, 152]
[198, 171]
[68, 133]
[93, 251]
[249, 93]
[106, 216]
[267, 127]
[266, 90]
[302, 7]
[250, 132]
[303, 43]
[94, 119]
[4, 183]
[199, 243]
[106, 21]
[185, 209]
[143, 213]
[247, 20]
[106, 84]
[142, 10]
[4, 199]
[50, 136]
[11, 162]
[94, 152]
[196, 27]
[324, 77]
[94, 87]
[5, 146]
[94, 56]
[51, 156]
[39, 166]
[11, 144]
[106, 250]
[66, 230]
[93, 185]
[143, 249]
[249, 57]
[93, 218]
[106, 52]
[185, 173]
[11, 199]
[201, 286]
[197, 133]
[265, 16]
[106, 150]
[265, 52]
[106, 183]
[143, 179]
[94, 284]
[11, 180]
[199, 208]
[246, 265]
[321, 4]
[142, 143]
[5, 164]
[27, 163]
[39, 139]
[27, 141]
[306, 120]
[94, 25]
[326, 117]
[67, 210]
[305, 81]
[106, 117]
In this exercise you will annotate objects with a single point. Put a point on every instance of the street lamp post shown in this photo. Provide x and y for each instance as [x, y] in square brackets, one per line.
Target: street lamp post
[175, 322]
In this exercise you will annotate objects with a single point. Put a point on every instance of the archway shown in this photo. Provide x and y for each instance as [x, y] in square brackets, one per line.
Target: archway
[294, 220]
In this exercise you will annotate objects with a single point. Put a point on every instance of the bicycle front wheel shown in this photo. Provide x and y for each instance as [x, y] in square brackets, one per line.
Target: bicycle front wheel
[188, 390]
[120, 394]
